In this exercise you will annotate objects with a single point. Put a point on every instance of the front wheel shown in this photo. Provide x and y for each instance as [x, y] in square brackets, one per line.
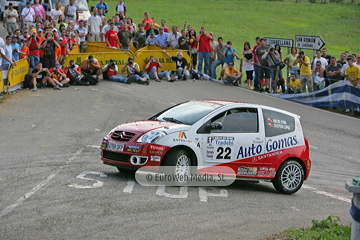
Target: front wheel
[289, 178]
[178, 164]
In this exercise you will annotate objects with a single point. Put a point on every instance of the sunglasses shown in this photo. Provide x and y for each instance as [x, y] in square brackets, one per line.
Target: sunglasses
[231, 64]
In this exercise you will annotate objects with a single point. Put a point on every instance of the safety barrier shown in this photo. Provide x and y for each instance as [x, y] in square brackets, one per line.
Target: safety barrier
[17, 74]
[103, 58]
[103, 44]
[143, 55]
[2, 87]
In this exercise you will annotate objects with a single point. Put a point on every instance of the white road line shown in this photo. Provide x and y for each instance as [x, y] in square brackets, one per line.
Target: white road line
[313, 147]
[129, 187]
[327, 194]
[12, 206]
[93, 146]
[127, 89]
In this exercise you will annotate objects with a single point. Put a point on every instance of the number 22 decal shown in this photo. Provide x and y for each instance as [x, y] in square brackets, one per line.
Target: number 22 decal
[221, 151]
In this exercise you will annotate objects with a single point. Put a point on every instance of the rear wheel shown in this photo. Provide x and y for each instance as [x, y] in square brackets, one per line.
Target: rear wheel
[178, 164]
[289, 178]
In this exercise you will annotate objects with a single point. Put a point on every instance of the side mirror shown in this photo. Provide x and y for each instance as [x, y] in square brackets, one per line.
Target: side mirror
[213, 126]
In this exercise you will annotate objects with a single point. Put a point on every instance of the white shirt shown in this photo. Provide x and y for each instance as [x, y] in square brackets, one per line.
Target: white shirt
[323, 61]
[107, 28]
[54, 14]
[120, 7]
[174, 39]
[94, 24]
[29, 14]
[71, 10]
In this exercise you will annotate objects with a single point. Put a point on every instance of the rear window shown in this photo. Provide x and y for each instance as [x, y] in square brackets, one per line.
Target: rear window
[277, 123]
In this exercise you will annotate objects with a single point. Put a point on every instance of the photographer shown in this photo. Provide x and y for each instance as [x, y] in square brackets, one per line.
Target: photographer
[229, 55]
[58, 76]
[305, 72]
[110, 72]
[91, 66]
[33, 43]
[73, 72]
[134, 72]
[231, 75]
[49, 45]
[40, 77]
[152, 68]
[181, 65]
[272, 57]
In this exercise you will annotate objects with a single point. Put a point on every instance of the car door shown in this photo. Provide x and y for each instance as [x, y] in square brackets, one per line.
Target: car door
[241, 137]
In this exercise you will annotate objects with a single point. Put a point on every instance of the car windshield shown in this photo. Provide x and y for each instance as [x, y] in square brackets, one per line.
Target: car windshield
[80, 4]
[187, 113]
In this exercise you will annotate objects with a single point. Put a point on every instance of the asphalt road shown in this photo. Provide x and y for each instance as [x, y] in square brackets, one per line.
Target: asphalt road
[54, 186]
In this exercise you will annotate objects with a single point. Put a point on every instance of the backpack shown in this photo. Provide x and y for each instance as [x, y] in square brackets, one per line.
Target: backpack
[27, 81]
[194, 74]
[90, 79]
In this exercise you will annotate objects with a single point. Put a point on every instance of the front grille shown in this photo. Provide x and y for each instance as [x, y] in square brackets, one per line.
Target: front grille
[121, 157]
[122, 136]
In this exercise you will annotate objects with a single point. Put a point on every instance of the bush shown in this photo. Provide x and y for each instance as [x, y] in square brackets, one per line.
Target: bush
[328, 228]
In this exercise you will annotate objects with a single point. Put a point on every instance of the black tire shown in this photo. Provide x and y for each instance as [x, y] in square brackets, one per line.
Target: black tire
[178, 162]
[289, 177]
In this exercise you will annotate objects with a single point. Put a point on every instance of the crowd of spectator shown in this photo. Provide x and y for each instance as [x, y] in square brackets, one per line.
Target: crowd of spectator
[47, 39]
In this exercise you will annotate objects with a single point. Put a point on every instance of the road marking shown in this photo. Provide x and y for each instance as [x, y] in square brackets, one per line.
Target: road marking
[97, 183]
[92, 146]
[327, 194]
[351, 158]
[313, 147]
[183, 192]
[12, 206]
[295, 209]
[204, 195]
[129, 187]
[127, 89]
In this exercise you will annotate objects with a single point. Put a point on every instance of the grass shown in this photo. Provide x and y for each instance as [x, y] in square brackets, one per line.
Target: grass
[242, 20]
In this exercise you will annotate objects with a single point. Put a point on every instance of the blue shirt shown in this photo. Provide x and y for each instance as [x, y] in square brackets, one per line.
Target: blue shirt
[102, 6]
[161, 39]
[81, 31]
[228, 55]
[15, 54]
[8, 53]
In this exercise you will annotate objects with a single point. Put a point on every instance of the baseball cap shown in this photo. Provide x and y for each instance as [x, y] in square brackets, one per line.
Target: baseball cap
[54, 30]
[57, 65]
[59, 39]
[130, 58]
[33, 30]
[28, 2]
[39, 30]
[25, 31]
[301, 53]
[71, 21]
[90, 56]
[151, 32]
[14, 36]
[358, 56]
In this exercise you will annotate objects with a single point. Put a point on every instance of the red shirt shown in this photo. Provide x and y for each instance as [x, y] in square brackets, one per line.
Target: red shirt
[167, 29]
[152, 64]
[111, 36]
[64, 48]
[57, 75]
[146, 22]
[68, 75]
[204, 43]
[253, 52]
[127, 27]
[110, 72]
[32, 47]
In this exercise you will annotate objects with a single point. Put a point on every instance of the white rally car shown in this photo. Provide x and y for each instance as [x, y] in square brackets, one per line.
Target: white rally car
[257, 142]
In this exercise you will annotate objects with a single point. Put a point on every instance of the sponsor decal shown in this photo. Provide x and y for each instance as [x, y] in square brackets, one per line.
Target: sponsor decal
[278, 123]
[133, 150]
[156, 152]
[182, 135]
[266, 174]
[156, 147]
[155, 158]
[220, 140]
[266, 155]
[198, 145]
[182, 138]
[247, 171]
[271, 145]
[134, 147]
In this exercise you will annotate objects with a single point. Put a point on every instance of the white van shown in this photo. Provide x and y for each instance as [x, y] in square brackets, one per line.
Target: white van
[81, 5]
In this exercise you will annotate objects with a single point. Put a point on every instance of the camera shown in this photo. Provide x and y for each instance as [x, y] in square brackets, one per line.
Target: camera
[112, 64]
[271, 49]
[201, 32]
[33, 35]
[56, 70]
[91, 61]
[299, 57]
[130, 63]
[72, 66]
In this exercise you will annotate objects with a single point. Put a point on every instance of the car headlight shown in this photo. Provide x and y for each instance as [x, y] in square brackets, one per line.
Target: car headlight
[151, 137]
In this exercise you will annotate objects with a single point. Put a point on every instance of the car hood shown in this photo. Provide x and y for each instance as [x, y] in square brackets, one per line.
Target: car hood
[144, 126]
